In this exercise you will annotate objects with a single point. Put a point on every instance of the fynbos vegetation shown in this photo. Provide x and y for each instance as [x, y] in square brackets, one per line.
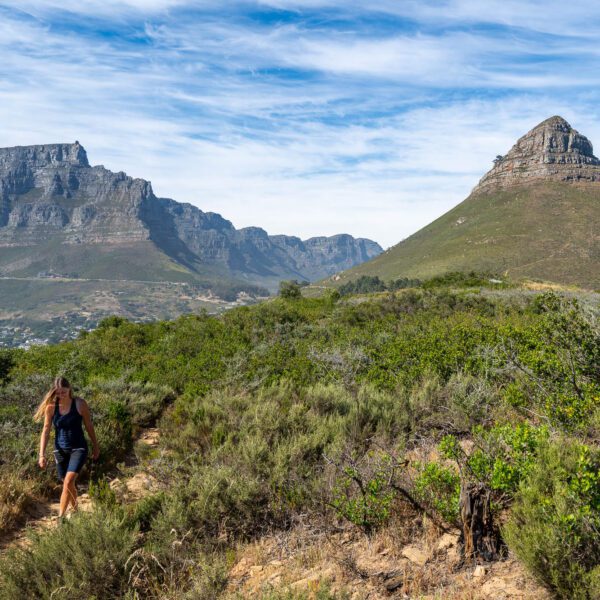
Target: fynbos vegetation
[423, 400]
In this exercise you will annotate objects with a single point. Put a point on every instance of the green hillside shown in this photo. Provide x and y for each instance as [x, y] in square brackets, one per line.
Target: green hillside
[140, 260]
[291, 434]
[548, 231]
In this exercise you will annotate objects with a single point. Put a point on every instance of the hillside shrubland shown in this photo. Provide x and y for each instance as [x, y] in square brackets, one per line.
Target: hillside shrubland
[346, 410]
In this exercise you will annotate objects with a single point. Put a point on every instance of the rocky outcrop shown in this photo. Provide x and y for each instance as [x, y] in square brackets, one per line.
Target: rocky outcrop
[551, 151]
[51, 193]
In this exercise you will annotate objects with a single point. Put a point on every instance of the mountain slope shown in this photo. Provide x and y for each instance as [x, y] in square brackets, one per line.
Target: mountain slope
[535, 214]
[59, 215]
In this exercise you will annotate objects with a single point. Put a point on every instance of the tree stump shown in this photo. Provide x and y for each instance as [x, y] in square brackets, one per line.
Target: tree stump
[481, 539]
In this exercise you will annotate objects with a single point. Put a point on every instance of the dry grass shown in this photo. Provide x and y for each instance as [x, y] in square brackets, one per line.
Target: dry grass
[295, 563]
[15, 494]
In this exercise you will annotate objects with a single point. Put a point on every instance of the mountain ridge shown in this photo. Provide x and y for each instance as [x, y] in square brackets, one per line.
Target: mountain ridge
[51, 196]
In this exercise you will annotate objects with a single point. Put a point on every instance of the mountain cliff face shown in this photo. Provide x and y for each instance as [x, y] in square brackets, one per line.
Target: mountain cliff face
[551, 151]
[535, 214]
[54, 203]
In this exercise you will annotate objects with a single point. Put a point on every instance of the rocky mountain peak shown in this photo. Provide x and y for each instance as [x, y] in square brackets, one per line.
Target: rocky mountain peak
[552, 150]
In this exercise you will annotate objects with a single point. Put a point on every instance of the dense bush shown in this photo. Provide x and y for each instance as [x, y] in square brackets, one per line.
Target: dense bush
[438, 487]
[84, 558]
[289, 289]
[465, 279]
[555, 364]
[367, 284]
[253, 461]
[555, 522]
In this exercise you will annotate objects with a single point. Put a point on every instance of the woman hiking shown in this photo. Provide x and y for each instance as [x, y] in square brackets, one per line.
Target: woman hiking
[61, 409]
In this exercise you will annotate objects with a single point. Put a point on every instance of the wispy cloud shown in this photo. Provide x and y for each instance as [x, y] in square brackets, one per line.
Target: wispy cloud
[304, 117]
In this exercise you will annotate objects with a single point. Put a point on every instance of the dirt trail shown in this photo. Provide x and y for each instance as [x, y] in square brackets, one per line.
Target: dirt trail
[44, 515]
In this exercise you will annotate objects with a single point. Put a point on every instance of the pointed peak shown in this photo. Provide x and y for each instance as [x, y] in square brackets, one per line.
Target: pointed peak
[555, 122]
[551, 151]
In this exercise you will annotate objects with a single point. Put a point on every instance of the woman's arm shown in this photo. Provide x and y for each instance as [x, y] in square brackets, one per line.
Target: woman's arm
[44, 439]
[84, 410]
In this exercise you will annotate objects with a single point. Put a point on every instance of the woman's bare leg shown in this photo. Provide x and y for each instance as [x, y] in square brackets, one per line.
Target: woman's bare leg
[73, 494]
[69, 493]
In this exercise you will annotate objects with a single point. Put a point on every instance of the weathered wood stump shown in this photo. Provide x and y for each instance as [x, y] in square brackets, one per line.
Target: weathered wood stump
[481, 539]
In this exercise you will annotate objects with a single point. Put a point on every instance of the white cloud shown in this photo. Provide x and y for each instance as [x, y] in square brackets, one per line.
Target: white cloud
[300, 130]
[106, 8]
[546, 16]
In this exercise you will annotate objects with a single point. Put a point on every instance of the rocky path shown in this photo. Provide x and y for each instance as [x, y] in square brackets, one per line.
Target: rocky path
[44, 515]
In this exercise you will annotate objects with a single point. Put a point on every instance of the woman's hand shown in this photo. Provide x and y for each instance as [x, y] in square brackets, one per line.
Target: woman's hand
[95, 453]
[42, 462]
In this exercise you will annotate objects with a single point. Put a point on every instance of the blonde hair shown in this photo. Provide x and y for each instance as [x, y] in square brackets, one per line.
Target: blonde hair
[59, 382]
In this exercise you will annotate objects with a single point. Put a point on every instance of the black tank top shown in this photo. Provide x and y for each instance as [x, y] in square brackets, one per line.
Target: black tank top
[67, 428]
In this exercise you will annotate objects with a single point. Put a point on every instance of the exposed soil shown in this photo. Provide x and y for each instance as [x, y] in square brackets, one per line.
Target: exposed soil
[360, 568]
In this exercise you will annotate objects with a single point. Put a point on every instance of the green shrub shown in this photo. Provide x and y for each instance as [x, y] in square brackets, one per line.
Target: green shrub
[505, 454]
[555, 364]
[8, 358]
[102, 494]
[362, 493]
[555, 520]
[438, 487]
[84, 558]
[365, 284]
[209, 579]
[142, 512]
[144, 402]
[290, 290]
[464, 279]
[458, 405]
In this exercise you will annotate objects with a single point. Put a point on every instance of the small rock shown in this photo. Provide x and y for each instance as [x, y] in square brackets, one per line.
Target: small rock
[479, 571]
[240, 568]
[115, 483]
[394, 584]
[448, 540]
[150, 436]
[415, 555]
[303, 584]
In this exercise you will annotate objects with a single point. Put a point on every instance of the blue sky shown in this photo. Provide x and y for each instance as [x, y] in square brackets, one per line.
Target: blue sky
[305, 117]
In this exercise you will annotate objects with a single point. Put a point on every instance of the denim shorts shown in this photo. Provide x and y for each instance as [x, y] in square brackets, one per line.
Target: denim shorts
[69, 460]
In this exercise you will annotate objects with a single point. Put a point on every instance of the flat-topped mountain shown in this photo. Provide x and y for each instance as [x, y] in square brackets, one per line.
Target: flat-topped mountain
[535, 214]
[59, 215]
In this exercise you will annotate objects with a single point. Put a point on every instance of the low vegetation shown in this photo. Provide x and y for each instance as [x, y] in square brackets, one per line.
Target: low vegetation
[366, 284]
[347, 411]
